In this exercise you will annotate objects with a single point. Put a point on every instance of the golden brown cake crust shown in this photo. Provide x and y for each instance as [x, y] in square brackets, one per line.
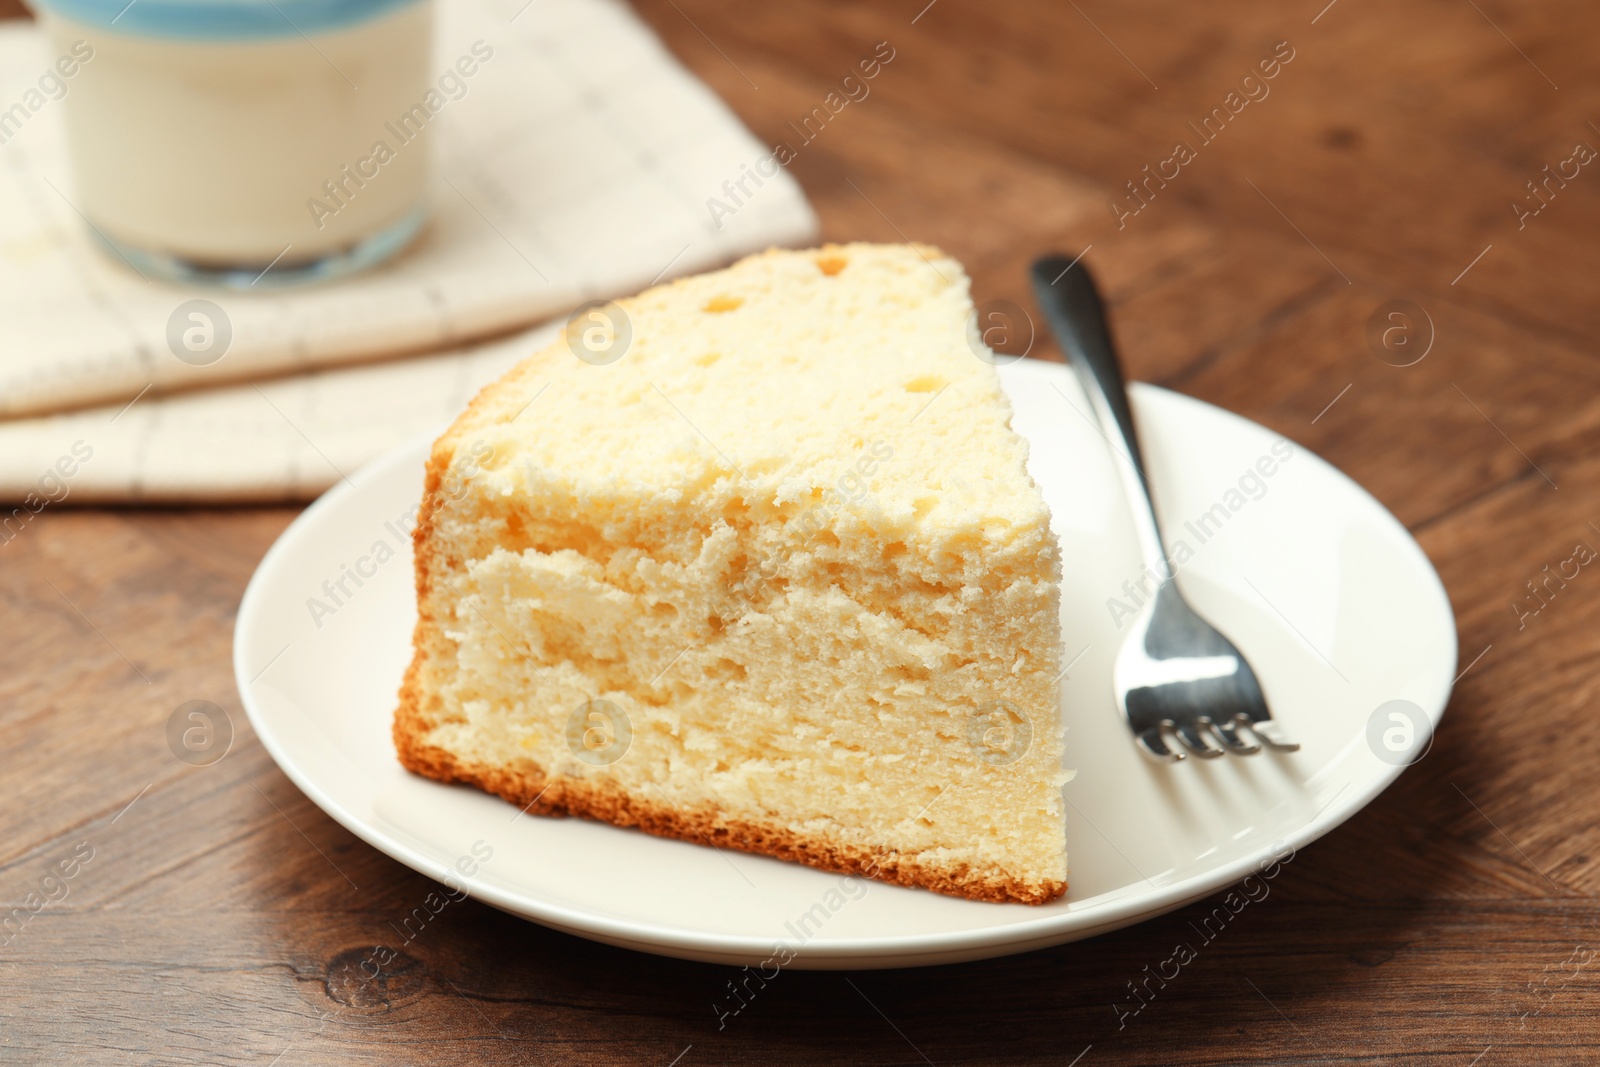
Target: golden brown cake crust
[531, 788]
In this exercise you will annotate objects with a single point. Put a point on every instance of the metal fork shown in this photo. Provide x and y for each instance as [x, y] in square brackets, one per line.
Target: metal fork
[1175, 675]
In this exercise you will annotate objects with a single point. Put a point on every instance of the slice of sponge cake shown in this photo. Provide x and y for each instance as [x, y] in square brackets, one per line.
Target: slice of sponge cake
[752, 559]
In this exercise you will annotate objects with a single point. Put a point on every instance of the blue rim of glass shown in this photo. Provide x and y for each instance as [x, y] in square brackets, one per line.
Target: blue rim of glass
[220, 20]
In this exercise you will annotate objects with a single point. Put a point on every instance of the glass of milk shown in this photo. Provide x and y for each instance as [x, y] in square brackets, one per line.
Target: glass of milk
[248, 143]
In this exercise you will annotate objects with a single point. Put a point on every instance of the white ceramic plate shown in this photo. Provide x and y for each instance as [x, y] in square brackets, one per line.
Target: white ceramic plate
[1329, 597]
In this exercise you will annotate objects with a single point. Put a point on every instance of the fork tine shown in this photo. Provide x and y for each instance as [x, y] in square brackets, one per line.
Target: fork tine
[1153, 744]
[1265, 731]
[1199, 739]
[1232, 740]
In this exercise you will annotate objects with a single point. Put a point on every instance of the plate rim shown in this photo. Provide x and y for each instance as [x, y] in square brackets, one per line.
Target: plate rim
[1019, 936]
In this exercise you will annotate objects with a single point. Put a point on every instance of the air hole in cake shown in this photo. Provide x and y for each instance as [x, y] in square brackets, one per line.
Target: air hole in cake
[928, 383]
[931, 590]
[719, 304]
[927, 630]
[831, 265]
[580, 539]
[924, 504]
[516, 536]
[727, 670]
[765, 465]
[708, 359]
[661, 609]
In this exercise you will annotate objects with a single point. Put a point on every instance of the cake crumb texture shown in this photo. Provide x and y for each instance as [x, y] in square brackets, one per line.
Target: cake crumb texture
[775, 579]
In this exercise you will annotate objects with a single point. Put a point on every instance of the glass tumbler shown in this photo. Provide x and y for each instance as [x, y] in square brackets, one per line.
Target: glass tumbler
[247, 143]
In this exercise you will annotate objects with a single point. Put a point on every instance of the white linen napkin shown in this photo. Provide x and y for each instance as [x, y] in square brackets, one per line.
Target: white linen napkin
[284, 439]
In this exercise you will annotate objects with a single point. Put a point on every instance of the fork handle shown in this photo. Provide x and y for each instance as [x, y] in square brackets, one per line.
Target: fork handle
[1066, 292]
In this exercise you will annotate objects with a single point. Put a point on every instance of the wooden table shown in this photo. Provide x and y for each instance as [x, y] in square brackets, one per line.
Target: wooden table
[1450, 922]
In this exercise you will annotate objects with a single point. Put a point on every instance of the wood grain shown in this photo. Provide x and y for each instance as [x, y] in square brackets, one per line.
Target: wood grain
[223, 918]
